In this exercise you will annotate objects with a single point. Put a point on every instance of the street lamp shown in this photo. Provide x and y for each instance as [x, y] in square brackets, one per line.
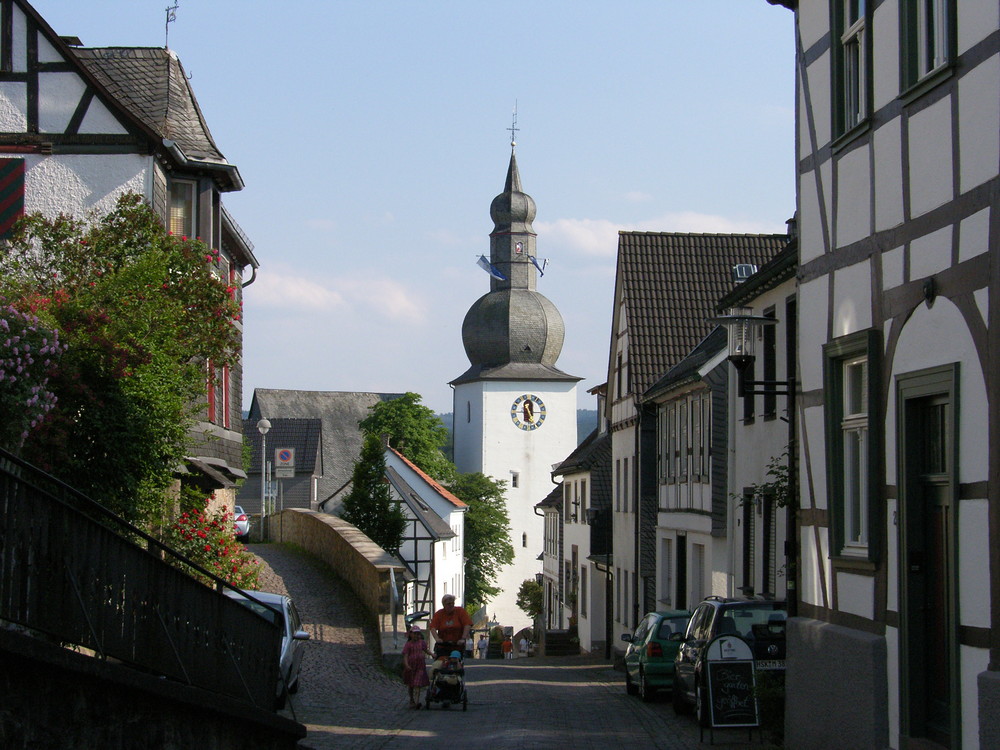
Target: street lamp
[742, 326]
[262, 427]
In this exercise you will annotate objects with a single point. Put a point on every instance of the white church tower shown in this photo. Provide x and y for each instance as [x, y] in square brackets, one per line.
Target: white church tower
[515, 412]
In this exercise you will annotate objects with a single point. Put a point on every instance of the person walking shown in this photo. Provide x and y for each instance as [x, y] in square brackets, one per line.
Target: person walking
[508, 648]
[522, 647]
[450, 627]
[481, 646]
[414, 665]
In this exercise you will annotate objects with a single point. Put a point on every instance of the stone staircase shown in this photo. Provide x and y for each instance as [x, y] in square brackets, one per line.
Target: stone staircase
[561, 643]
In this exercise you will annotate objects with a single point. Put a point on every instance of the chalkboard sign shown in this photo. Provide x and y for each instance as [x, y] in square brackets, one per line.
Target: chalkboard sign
[730, 669]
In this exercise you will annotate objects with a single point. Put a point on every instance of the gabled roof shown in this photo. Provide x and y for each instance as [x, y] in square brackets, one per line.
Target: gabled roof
[304, 435]
[776, 271]
[593, 455]
[151, 84]
[339, 411]
[432, 483]
[688, 368]
[669, 284]
[430, 520]
[553, 499]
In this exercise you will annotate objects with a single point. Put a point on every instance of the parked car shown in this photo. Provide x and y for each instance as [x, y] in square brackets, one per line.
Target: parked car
[242, 522]
[649, 657]
[761, 623]
[279, 609]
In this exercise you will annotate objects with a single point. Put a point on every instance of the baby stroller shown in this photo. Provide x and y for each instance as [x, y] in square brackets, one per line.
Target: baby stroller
[448, 682]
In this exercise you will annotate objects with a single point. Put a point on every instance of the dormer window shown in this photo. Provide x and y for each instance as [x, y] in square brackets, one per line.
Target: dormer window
[182, 208]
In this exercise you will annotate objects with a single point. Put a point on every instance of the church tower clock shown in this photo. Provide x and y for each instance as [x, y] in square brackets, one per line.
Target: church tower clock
[514, 410]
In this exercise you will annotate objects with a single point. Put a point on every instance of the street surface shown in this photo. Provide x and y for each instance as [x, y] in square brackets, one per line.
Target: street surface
[346, 700]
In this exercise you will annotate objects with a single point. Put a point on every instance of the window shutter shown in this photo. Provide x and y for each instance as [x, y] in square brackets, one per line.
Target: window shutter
[11, 194]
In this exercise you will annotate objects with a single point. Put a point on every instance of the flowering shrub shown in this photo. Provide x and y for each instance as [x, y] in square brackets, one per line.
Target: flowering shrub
[210, 541]
[29, 353]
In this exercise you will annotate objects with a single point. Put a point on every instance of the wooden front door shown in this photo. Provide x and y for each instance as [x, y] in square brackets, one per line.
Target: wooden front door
[928, 612]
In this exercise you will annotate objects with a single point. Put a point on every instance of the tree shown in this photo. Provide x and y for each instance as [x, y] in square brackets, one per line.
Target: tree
[530, 598]
[369, 505]
[414, 430]
[140, 313]
[487, 535]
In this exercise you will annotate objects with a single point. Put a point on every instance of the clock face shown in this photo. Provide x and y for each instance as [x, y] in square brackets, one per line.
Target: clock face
[527, 412]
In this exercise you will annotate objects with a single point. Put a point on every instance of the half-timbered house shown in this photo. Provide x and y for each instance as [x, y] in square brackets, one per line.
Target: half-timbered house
[79, 127]
[433, 547]
[898, 148]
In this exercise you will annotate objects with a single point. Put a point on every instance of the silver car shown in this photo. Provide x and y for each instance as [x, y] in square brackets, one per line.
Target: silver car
[280, 609]
[242, 523]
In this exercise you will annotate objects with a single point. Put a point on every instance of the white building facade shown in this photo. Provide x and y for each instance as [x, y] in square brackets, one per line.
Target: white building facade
[898, 148]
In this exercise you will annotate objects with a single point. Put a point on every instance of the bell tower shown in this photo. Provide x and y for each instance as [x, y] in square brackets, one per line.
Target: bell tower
[514, 410]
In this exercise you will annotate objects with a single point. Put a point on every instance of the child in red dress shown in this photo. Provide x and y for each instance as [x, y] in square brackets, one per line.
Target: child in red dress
[414, 664]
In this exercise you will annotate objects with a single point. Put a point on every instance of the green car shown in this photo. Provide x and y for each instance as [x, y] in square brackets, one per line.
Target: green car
[649, 658]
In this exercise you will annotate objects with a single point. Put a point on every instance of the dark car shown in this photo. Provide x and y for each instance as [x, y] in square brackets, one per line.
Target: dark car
[649, 658]
[279, 609]
[761, 623]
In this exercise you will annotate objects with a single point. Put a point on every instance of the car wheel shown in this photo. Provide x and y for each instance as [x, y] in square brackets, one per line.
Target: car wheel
[630, 687]
[677, 698]
[646, 691]
[701, 705]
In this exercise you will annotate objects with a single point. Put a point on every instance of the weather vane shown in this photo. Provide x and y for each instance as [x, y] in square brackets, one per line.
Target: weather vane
[171, 17]
[513, 127]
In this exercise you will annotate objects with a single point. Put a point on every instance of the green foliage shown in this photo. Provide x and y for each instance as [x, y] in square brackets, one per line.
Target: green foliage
[369, 505]
[530, 598]
[776, 487]
[487, 535]
[414, 430]
[209, 540]
[140, 312]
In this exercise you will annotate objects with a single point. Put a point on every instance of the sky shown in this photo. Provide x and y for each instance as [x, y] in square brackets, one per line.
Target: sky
[372, 136]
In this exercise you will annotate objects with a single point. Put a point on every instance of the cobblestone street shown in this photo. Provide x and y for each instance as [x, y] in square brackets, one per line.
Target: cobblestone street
[347, 700]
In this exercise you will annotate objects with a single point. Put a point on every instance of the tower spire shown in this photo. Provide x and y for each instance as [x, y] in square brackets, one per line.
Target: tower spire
[514, 129]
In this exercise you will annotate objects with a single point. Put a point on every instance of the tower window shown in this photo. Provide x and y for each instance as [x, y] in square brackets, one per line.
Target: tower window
[515, 479]
[468, 412]
[524, 540]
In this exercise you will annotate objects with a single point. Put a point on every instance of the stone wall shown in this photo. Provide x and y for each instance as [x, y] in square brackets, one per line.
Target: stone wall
[355, 558]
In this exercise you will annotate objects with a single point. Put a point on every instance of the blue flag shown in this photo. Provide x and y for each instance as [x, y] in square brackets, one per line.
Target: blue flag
[541, 268]
[490, 268]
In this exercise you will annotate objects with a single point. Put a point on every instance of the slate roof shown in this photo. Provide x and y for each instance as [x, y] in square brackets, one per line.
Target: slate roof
[593, 455]
[151, 84]
[687, 368]
[776, 271]
[670, 284]
[553, 499]
[431, 521]
[338, 411]
[304, 435]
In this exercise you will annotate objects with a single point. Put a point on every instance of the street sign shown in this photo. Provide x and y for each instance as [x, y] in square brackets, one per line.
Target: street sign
[284, 463]
[730, 672]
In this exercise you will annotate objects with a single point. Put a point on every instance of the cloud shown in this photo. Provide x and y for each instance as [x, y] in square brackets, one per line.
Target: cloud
[692, 221]
[590, 237]
[637, 196]
[598, 238]
[279, 290]
[362, 296]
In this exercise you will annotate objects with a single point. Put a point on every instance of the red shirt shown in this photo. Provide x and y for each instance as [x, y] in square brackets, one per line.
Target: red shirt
[450, 627]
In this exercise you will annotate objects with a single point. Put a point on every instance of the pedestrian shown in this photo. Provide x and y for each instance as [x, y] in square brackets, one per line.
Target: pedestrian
[522, 647]
[414, 665]
[482, 646]
[507, 647]
[450, 627]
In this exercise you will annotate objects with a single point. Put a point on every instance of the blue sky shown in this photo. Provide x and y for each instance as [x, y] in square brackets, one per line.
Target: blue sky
[372, 137]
